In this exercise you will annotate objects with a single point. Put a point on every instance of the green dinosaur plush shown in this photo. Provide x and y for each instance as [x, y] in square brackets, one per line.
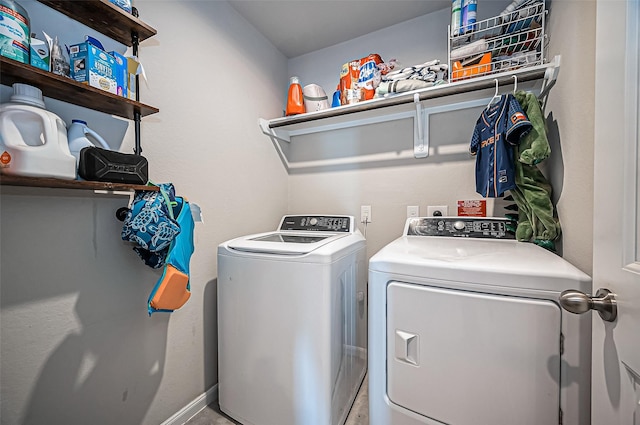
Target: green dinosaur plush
[532, 194]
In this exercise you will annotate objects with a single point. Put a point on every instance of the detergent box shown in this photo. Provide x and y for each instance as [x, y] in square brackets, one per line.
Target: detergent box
[122, 4]
[122, 73]
[93, 66]
[133, 67]
[39, 56]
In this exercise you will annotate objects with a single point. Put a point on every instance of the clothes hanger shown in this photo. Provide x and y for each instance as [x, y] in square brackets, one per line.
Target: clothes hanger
[515, 84]
[496, 97]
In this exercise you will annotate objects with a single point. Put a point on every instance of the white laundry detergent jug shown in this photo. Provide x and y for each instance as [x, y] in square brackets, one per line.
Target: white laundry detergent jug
[80, 137]
[33, 141]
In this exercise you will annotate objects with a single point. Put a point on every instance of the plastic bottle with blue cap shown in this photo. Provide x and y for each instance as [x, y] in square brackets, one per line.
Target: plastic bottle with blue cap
[78, 135]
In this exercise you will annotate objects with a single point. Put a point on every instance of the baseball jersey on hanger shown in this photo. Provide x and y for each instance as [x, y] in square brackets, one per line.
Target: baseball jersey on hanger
[497, 130]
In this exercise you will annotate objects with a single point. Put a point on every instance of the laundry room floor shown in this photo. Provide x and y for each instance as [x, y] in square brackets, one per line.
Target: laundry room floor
[359, 415]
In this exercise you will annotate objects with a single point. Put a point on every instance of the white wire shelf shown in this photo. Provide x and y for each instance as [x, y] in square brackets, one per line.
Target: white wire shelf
[500, 44]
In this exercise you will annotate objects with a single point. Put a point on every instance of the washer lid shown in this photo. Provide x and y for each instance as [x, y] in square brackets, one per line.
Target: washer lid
[493, 262]
[284, 243]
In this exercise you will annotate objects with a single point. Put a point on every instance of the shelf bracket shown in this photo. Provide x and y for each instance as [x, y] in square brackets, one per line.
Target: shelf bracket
[274, 137]
[420, 141]
[424, 122]
[135, 42]
[280, 135]
[549, 80]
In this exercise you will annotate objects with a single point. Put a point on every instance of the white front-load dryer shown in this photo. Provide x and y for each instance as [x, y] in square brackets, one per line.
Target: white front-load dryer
[292, 330]
[465, 329]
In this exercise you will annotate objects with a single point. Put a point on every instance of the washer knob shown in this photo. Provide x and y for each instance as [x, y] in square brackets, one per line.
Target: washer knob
[313, 221]
[458, 225]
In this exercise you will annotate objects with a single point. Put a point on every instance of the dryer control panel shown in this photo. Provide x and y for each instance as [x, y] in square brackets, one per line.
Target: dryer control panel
[465, 227]
[317, 223]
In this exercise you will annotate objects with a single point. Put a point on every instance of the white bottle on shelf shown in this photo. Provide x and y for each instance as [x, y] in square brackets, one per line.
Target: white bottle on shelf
[456, 17]
[33, 141]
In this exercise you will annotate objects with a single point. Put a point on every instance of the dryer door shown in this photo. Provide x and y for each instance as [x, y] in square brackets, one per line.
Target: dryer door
[469, 358]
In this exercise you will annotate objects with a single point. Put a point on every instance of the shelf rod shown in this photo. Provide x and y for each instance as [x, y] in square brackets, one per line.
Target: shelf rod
[135, 42]
[136, 122]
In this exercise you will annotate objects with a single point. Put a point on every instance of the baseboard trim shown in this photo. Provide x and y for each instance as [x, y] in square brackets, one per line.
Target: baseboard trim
[192, 409]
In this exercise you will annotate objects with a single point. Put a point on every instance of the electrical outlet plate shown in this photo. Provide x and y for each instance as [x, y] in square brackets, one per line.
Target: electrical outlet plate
[365, 214]
[413, 211]
[437, 211]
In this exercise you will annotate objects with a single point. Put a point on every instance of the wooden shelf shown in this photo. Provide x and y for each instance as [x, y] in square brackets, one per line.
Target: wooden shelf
[113, 22]
[8, 180]
[68, 90]
[105, 17]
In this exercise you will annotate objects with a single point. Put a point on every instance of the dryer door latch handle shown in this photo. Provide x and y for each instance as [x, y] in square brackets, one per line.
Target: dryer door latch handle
[578, 302]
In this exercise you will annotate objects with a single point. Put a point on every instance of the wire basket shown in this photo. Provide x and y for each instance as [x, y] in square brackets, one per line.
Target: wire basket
[500, 44]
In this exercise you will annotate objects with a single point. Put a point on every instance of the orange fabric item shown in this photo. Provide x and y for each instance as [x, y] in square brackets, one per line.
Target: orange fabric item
[172, 293]
[471, 68]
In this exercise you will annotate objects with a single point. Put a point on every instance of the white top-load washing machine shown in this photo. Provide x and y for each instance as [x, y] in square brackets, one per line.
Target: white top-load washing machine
[465, 329]
[292, 330]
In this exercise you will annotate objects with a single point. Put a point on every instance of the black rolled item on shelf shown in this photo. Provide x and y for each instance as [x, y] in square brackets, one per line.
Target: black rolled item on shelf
[103, 165]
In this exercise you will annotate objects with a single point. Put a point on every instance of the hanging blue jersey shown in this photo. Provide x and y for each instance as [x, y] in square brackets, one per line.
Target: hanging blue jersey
[497, 131]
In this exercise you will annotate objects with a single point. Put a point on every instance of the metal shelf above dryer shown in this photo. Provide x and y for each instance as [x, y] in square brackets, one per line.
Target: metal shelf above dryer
[402, 106]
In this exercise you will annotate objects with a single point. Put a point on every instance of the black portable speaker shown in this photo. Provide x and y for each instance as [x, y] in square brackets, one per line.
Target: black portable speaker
[103, 165]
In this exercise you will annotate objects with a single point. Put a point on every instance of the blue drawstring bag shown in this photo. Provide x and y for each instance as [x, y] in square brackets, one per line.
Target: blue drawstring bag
[150, 224]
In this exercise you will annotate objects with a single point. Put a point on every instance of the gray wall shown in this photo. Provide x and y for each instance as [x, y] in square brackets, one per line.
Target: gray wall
[570, 111]
[390, 186]
[77, 344]
[76, 339]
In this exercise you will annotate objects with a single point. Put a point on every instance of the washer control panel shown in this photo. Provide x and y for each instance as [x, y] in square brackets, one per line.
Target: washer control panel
[317, 223]
[465, 227]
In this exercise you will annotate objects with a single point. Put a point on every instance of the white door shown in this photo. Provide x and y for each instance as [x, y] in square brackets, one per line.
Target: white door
[616, 345]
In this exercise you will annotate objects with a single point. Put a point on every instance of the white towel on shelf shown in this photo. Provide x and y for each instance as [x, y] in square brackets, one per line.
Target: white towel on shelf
[478, 46]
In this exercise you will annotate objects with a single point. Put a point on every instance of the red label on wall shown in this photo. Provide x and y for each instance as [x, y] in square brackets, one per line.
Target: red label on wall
[472, 208]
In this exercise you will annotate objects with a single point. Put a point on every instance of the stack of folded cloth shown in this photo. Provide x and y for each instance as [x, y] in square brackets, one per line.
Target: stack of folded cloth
[477, 47]
[415, 77]
[518, 10]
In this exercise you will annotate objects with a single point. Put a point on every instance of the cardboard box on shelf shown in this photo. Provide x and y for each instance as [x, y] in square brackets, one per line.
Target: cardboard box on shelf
[39, 55]
[123, 4]
[133, 67]
[122, 73]
[93, 66]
